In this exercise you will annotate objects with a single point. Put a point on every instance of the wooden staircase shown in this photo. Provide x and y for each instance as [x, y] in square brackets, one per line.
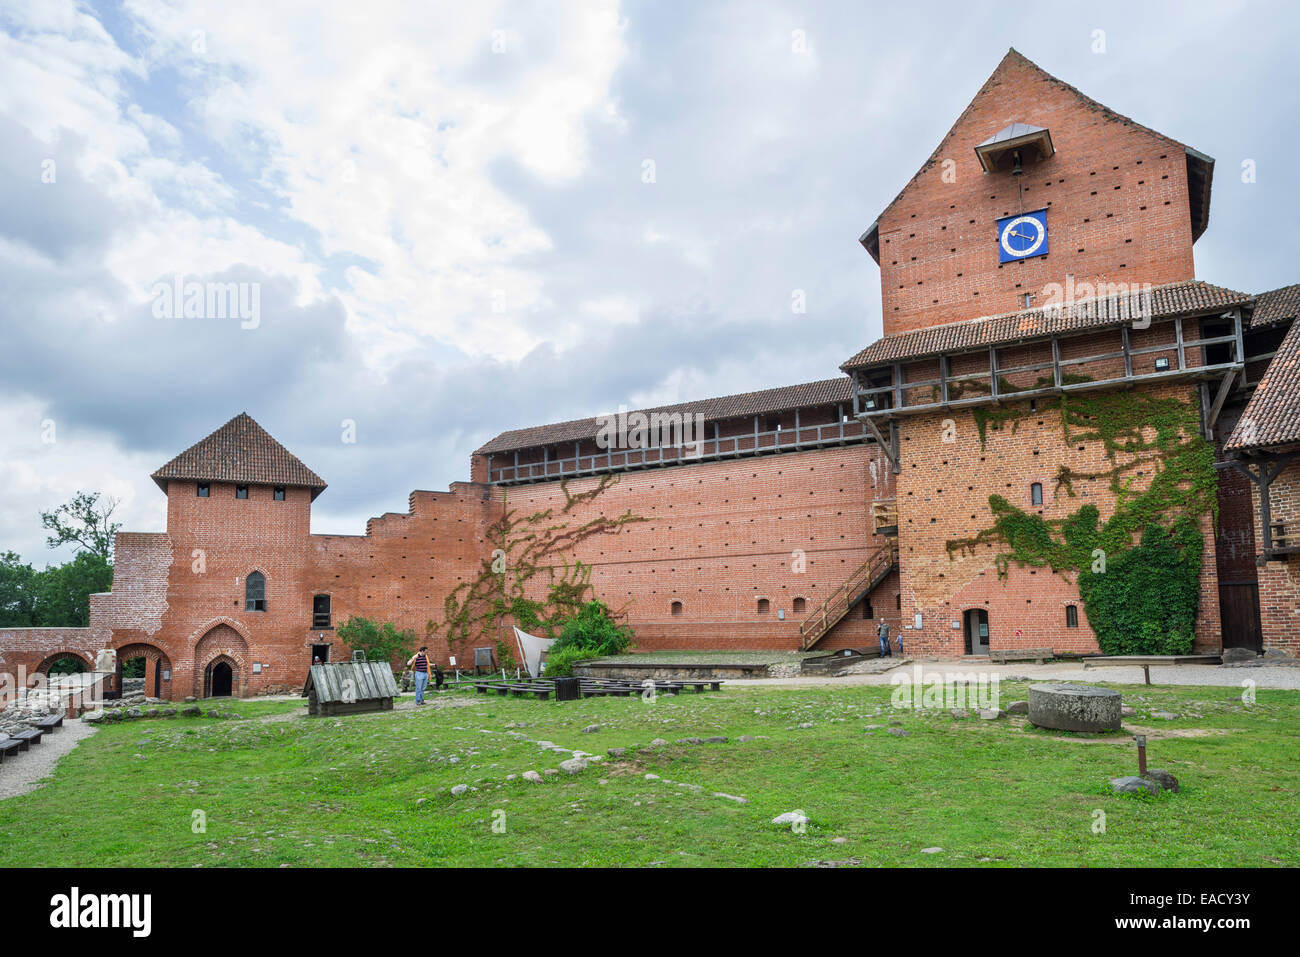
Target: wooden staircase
[871, 573]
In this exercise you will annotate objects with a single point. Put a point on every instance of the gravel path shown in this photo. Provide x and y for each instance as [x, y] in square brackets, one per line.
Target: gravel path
[24, 772]
[1285, 678]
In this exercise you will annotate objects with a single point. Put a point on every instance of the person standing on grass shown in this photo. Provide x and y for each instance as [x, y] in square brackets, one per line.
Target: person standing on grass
[882, 632]
[420, 665]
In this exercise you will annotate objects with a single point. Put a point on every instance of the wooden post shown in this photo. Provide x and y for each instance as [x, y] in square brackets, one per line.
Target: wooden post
[1238, 348]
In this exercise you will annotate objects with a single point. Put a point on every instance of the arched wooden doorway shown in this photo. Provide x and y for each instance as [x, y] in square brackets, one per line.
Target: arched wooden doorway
[220, 678]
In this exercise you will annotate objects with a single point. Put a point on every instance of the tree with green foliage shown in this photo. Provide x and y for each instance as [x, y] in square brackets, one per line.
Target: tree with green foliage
[17, 592]
[83, 522]
[380, 642]
[70, 665]
[63, 591]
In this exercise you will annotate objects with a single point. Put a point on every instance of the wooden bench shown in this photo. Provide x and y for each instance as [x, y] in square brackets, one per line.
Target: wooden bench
[50, 722]
[700, 685]
[9, 746]
[540, 691]
[1037, 655]
[29, 737]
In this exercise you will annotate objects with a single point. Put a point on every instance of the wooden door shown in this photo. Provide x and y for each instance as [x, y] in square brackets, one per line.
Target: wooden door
[1239, 616]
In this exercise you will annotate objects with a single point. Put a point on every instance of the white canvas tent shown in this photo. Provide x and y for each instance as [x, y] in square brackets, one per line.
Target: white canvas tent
[530, 651]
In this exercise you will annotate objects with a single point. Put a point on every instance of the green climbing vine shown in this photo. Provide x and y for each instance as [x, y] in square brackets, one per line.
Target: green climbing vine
[1141, 597]
[526, 546]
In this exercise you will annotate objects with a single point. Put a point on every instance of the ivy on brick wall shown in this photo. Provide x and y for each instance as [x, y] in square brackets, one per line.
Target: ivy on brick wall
[527, 546]
[1139, 571]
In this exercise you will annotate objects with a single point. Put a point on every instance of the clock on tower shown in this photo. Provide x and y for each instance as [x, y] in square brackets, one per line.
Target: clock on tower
[1022, 236]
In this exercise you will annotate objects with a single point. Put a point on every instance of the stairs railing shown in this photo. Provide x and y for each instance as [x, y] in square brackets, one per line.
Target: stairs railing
[870, 574]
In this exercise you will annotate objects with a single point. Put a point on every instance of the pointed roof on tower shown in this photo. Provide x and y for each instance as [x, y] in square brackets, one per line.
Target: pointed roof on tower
[241, 452]
[1200, 168]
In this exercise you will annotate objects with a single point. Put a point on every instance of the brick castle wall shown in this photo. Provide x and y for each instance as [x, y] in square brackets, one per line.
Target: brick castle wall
[721, 536]
[943, 494]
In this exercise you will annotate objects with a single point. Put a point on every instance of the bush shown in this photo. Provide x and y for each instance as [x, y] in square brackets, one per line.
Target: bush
[593, 629]
[559, 664]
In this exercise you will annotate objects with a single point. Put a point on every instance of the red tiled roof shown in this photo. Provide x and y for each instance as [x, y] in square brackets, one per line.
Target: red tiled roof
[1167, 302]
[822, 392]
[243, 452]
[1275, 307]
[1272, 417]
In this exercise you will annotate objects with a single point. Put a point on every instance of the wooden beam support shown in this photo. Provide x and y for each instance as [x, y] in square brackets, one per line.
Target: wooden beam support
[886, 447]
[1206, 432]
[1224, 388]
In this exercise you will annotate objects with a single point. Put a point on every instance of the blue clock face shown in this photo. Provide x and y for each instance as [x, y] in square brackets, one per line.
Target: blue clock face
[1020, 237]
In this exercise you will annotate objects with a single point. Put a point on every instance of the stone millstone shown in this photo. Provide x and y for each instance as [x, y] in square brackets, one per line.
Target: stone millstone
[1074, 707]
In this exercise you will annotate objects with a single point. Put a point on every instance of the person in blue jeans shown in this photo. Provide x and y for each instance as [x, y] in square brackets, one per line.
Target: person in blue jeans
[882, 632]
[420, 665]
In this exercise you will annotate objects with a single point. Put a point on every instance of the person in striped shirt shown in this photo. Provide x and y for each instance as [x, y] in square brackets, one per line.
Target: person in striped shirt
[420, 665]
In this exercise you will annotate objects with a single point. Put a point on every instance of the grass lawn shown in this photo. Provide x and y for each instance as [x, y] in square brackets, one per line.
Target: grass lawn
[276, 788]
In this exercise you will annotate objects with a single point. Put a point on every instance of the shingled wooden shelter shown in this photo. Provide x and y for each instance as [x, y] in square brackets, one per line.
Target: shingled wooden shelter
[349, 687]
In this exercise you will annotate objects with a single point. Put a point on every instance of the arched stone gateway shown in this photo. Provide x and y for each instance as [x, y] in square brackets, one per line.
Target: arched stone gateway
[157, 668]
[79, 656]
[220, 678]
[221, 662]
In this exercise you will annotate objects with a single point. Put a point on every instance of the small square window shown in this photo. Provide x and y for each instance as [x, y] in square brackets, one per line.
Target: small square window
[203, 490]
[241, 491]
[278, 494]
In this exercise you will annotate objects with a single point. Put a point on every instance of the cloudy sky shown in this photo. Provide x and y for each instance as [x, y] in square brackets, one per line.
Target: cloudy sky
[446, 213]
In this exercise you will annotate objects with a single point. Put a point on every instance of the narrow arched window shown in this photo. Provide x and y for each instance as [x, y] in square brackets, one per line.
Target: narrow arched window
[797, 606]
[764, 606]
[1071, 616]
[255, 592]
[1036, 493]
[677, 609]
